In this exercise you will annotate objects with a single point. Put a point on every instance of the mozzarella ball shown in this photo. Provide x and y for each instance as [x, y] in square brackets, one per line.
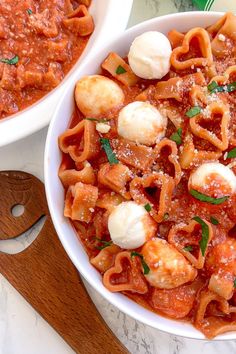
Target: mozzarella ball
[213, 179]
[168, 267]
[130, 225]
[96, 94]
[149, 55]
[141, 122]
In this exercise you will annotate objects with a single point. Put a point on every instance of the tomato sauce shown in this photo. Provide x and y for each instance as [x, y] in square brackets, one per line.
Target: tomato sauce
[36, 51]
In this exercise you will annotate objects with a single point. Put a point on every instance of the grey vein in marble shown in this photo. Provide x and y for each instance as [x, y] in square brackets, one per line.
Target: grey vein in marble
[18, 244]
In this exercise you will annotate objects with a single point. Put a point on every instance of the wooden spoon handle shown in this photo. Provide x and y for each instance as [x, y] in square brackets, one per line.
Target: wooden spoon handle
[43, 273]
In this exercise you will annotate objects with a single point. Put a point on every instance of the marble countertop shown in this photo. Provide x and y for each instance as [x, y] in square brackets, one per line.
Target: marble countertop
[22, 330]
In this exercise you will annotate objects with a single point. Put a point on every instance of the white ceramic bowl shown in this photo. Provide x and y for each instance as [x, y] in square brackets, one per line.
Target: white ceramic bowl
[107, 14]
[55, 191]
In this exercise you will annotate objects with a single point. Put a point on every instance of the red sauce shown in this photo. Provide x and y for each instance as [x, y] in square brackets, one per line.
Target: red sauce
[46, 49]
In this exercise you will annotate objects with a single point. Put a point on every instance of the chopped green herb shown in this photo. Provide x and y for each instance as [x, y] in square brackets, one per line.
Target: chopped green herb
[29, 11]
[235, 283]
[104, 243]
[205, 234]
[12, 61]
[205, 198]
[188, 248]
[120, 70]
[108, 150]
[214, 87]
[146, 268]
[231, 154]
[97, 120]
[177, 137]
[214, 221]
[192, 112]
[166, 216]
[148, 207]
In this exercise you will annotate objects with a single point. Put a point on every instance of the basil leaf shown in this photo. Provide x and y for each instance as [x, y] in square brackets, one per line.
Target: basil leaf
[148, 207]
[214, 221]
[97, 120]
[104, 243]
[146, 268]
[231, 154]
[205, 198]
[214, 87]
[120, 70]
[108, 150]
[235, 283]
[230, 87]
[192, 112]
[205, 234]
[188, 248]
[12, 61]
[29, 11]
[177, 137]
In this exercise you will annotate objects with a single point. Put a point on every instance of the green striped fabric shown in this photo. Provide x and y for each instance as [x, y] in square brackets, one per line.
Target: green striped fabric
[216, 5]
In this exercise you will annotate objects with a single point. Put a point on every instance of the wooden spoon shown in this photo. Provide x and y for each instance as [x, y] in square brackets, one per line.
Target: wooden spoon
[44, 274]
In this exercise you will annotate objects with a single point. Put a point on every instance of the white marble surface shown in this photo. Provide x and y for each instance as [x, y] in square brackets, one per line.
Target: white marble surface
[22, 330]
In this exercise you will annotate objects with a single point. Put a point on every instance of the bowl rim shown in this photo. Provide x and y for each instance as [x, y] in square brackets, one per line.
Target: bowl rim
[38, 115]
[170, 328]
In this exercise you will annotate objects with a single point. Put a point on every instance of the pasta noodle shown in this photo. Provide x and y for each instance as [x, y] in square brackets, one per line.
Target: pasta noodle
[206, 58]
[161, 185]
[113, 63]
[157, 216]
[189, 235]
[80, 21]
[214, 109]
[125, 275]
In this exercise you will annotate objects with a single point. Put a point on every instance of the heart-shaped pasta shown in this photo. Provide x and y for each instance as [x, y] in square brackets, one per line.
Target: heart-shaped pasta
[206, 60]
[125, 275]
[81, 142]
[228, 76]
[80, 21]
[223, 33]
[105, 258]
[208, 116]
[191, 157]
[168, 149]
[116, 178]
[80, 202]
[182, 236]
[209, 304]
[71, 176]
[177, 87]
[155, 189]
[132, 154]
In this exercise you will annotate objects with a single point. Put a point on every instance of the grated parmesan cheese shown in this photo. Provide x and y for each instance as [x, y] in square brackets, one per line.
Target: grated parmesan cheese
[221, 37]
[103, 128]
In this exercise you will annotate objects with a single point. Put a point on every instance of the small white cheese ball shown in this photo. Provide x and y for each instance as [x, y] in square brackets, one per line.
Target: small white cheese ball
[96, 94]
[168, 267]
[149, 55]
[141, 122]
[214, 179]
[130, 225]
